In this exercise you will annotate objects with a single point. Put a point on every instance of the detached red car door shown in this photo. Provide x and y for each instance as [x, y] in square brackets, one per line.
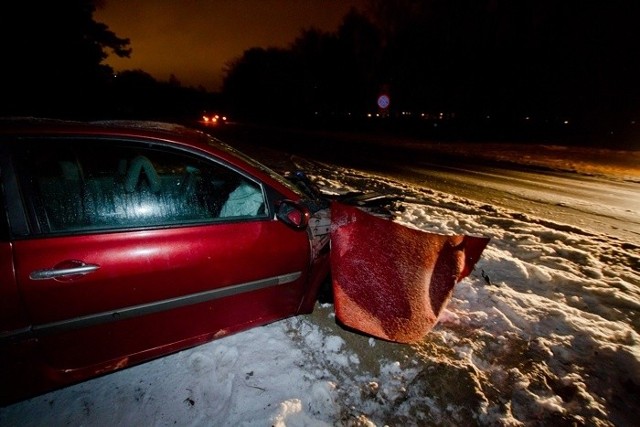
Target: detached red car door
[133, 248]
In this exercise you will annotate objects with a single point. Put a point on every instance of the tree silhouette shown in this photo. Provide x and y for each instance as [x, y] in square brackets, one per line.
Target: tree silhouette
[261, 83]
[544, 57]
[135, 94]
[53, 57]
[360, 45]
[321, 73]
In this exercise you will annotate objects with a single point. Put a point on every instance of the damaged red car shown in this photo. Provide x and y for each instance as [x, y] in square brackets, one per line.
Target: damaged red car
[125, 241]
[122, 242]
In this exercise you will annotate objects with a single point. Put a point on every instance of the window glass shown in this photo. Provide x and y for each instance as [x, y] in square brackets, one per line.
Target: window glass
[89, 185]
[253, 162]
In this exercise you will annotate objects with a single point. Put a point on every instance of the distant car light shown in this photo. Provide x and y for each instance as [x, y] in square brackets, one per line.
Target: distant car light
[213, 119]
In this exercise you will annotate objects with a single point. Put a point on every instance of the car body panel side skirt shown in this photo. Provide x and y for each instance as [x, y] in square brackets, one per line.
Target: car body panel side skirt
[154, 307]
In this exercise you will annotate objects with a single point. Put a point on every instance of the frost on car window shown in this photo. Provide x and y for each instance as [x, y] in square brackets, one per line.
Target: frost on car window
[128, 187]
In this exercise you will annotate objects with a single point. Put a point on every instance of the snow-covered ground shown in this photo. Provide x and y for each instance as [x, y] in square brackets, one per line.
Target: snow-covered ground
[545, 331]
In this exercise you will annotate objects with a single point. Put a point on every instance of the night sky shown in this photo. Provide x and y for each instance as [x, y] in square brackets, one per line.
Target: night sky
[194, 39]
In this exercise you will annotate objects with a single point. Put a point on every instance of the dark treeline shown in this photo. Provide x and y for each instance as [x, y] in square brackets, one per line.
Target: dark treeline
[548, 65]
[483, 64]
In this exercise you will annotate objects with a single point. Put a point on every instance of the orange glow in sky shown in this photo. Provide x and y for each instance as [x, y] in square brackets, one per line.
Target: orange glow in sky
[194, 39]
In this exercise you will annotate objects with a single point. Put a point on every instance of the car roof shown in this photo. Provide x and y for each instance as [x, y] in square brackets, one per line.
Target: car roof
[30, 126]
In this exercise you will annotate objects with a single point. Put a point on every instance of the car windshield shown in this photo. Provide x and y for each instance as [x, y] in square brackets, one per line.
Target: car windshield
[273, 174]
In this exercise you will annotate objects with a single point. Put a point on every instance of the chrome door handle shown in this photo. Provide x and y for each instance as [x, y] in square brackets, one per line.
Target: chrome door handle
[53, 273]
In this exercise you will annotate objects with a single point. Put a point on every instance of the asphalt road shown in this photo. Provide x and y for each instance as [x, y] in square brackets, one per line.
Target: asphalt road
[586, 203]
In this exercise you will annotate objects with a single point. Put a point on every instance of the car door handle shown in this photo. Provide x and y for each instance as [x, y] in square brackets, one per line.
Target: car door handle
[53, 273]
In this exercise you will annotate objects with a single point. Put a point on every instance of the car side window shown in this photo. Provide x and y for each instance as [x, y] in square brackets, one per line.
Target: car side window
[86, 186]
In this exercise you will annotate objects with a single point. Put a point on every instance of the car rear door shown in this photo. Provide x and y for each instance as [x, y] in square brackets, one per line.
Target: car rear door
[136, 249]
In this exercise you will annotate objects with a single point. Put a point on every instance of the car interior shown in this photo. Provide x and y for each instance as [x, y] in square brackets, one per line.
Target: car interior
[75, 195]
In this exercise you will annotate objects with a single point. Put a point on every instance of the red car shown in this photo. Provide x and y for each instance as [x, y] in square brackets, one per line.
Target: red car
[125, 241]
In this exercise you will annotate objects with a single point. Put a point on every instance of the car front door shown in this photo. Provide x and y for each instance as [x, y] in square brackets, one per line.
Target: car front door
[135, 250]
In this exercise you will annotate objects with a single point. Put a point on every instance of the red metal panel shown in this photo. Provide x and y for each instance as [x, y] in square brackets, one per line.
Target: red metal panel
[391, 281]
